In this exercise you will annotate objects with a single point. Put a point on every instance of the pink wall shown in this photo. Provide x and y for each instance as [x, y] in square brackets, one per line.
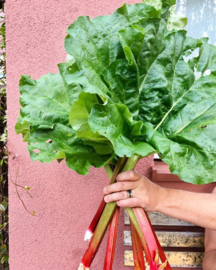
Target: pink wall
[63, 200]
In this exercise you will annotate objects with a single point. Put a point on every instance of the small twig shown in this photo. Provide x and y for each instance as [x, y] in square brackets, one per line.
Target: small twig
[20, 185]
[17, 192]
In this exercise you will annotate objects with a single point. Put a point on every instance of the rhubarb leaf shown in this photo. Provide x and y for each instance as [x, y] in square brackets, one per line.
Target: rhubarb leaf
[133, 83]
[99, 47]
[44, 101]
[189, 162]
[122, 80]
[183, 111]
[61, 142]
[73, 89]
[23, 127]
[81, 109]
[44, 123]
[95, 41]
[115, 122]
[176, 21]
[78, 118]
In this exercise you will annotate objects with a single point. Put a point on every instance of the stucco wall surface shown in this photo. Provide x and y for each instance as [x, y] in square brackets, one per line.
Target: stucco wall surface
[64, 201]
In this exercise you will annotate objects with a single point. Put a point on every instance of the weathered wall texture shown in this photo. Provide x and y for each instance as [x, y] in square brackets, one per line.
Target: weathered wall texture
[63, 200]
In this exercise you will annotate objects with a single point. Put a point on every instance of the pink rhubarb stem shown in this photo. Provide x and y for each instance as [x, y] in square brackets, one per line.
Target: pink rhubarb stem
[130, 165]
[140, 234]
[102, 224]
[98, 235]
[89, 232]
[160, 250]
[139, 263]
[147, 231]
[108, 262]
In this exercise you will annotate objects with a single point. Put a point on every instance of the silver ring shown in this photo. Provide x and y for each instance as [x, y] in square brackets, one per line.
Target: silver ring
[129, 193]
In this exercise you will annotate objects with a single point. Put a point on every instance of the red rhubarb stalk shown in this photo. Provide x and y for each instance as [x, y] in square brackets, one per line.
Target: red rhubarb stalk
[147, 231]
[89, 232]
[102, 224]
[108, 262]
[130, 165]
[139, 263]
[140, 234]
[98, 236]
[165, 263]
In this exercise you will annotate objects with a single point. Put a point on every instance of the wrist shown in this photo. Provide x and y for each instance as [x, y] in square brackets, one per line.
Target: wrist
[162, 199]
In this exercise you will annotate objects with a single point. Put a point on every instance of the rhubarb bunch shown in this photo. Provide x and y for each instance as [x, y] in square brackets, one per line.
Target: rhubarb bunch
[143, 236]
[131, 86]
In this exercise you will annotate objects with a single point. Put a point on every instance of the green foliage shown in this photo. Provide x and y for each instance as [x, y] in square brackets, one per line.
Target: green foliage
[4, 241]
[131, 86]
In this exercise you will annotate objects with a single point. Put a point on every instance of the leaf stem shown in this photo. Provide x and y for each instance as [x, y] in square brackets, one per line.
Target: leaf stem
[103, 222]
[112, 175]
[131, 163]
[111, 243]
[143, 225]
[139, 232]
[137, 249]
[108, 170]
[160, 250]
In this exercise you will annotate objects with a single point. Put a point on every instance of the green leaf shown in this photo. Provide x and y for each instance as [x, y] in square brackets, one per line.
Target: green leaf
[61, 142]
[81, 109]
[157, 4]
[4, 259]
[73, 89]
[123, 85]
[95, 46]
[86, 79]
[131, 39]
[3, 137]
[23, 127]
[176, 21]
[85, 132]
[95, 42]
[102, 148]
[190, 162]
[44, 101]
[115, 122]
[78, 118]
[186, 126]
[167, 78]
[44, 123]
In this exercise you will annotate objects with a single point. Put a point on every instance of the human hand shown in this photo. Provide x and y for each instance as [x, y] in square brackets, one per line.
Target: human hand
[145, 193]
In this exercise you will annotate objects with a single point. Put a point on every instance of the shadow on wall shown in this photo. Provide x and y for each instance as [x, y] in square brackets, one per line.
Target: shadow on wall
[201, 16]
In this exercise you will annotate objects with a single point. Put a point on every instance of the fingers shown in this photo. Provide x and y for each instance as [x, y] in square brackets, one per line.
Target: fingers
[128, 176]
[116, 196]
[133, 202]
[122, 199]
[128, 180]
[120, 186]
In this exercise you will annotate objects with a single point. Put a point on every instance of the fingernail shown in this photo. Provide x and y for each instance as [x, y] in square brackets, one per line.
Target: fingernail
[105, 190]
[105, 199]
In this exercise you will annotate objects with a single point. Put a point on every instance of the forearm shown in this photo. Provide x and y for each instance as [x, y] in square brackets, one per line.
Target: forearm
[197, 208]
